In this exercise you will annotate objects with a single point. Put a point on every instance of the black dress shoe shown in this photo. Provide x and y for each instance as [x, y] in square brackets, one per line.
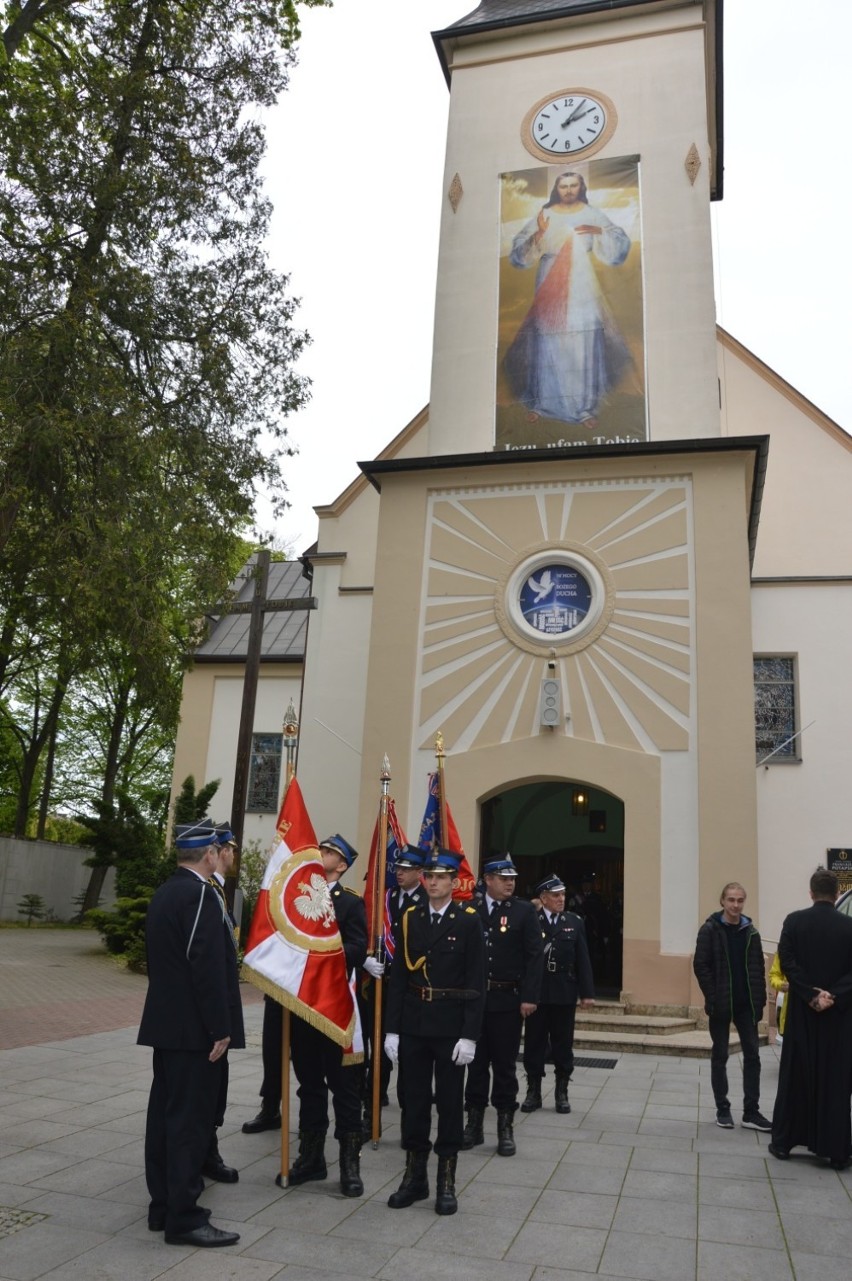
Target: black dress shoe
[156, 1223]
[205, 1237]
[268, 1118]
[219, 1172]
[840, 1165]
[779, 1153]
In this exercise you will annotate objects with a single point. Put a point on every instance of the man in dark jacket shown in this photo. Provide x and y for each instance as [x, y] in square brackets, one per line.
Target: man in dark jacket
[731, 973]
[435, 1002]
[318, 1061]
[567, 979]
[192, 1015]
[514, 951]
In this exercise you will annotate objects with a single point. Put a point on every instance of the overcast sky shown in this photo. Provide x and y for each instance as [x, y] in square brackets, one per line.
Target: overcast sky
[781, 240]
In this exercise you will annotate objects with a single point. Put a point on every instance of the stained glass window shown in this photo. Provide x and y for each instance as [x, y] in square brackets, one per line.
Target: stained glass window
[775, 709]
[264, 773]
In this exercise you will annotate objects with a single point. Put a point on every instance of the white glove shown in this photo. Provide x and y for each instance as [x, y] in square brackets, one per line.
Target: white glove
[374, 968]
[392, 1046]
[463, 1052]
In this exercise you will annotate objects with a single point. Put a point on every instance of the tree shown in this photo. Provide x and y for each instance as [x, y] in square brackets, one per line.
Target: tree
[32, 908]
[147, 347]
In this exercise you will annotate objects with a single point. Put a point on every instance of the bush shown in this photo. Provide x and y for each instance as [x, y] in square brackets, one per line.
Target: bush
[123, 929]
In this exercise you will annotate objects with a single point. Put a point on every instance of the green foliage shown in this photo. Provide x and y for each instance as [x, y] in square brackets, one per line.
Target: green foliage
[123, 928]
[253, 862]
[122, 837]
[32, 908]
[191, 805]
[147, 352]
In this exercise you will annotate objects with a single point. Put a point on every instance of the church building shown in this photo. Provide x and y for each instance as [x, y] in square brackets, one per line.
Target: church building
[610, 562]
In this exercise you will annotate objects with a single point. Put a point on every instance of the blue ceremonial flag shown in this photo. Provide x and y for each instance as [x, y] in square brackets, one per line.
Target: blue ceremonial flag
[431, 837]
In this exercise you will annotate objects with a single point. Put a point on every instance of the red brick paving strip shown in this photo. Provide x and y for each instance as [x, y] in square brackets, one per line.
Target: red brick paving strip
[58, 984]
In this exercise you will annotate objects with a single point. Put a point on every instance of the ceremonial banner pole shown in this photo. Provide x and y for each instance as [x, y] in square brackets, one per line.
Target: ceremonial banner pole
[379, 892]
[442, 793]
[291, 742]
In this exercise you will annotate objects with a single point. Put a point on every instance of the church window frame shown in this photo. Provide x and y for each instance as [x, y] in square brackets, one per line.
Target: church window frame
[776, 709]
[264, 782]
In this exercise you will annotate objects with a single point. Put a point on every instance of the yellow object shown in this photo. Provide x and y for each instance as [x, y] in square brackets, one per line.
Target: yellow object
[777, 981]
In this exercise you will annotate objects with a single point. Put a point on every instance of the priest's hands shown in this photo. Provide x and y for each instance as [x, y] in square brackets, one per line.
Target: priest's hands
[821, 1001]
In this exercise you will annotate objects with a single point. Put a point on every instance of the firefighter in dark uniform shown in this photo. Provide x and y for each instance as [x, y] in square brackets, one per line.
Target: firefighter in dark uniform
[435, 1006]
[514, 952]
[408, 892]
[318, 1061]
[567, 979]
[192, 1015]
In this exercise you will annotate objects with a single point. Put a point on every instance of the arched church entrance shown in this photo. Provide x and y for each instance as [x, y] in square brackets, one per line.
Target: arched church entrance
[577, 832]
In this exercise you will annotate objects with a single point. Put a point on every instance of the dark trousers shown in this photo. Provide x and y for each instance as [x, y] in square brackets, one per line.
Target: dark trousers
[421, 1058]
[385, 1064]
[273, 1021]
[720, 1031]
[496, 1048]
[318, 1064]
[222, 1100]
[181, 1115]
[556, 1021]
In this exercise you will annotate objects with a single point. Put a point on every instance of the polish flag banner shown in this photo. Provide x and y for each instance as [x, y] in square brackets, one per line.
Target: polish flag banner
[294, 952]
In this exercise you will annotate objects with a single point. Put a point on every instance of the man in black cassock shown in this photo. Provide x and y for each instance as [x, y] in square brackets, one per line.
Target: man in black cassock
[815, 1081]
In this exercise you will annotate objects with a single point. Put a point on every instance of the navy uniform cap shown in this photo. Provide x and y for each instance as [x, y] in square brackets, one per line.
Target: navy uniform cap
[439, 860]
[501, 865]
[410, 856]
[194, 836]
[343, 848]
[550, 885]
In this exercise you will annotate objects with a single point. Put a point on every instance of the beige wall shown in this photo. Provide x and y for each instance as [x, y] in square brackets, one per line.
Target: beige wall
[652, 67]
[662, 692]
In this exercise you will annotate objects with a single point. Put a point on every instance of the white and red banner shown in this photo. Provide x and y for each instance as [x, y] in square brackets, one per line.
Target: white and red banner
[294, 952]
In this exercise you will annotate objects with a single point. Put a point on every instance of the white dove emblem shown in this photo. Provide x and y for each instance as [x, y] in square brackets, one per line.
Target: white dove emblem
[315, 904]
[543, 587]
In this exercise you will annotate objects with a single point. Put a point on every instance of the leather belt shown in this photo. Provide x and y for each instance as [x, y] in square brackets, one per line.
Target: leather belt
[498, 985]
[443, 993]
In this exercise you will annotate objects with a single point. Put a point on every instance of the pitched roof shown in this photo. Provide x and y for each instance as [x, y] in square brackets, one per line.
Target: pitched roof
[284, 631]
[508, 13]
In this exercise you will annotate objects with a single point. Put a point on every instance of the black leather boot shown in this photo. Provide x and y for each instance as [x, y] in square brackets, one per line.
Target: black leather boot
[561, 1094]
[533, 1100]
[445, 1201]
[310, 1163]
[268, 1118]
[505, 1133]
[415, 1183]
[214, 1167]
[350, 1165]
[473, 1135]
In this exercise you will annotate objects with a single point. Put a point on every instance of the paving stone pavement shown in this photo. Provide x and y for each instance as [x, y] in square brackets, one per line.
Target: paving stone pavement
[637, 1182]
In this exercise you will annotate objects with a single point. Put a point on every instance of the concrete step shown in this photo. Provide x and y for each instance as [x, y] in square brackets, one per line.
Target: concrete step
[693, 1044]
[598, 1020]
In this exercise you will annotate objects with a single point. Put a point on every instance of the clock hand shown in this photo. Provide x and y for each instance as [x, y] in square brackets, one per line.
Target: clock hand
[574, 114]
[583, 113]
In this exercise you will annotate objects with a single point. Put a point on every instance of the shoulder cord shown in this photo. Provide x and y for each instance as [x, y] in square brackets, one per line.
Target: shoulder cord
[195, 922]
[419, 964]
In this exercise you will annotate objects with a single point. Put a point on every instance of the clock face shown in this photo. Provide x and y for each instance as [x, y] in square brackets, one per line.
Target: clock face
[569, 123]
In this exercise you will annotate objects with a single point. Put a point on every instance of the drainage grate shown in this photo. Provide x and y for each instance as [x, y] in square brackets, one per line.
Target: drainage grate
[13, 1220]
[595, 1063]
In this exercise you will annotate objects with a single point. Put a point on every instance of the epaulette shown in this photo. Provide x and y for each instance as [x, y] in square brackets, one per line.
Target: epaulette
[349, 891]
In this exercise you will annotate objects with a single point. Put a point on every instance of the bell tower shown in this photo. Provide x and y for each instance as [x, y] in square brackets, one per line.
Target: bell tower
[620, 346]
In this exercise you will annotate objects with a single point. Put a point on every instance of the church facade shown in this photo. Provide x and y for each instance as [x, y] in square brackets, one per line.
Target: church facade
[609, 564]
